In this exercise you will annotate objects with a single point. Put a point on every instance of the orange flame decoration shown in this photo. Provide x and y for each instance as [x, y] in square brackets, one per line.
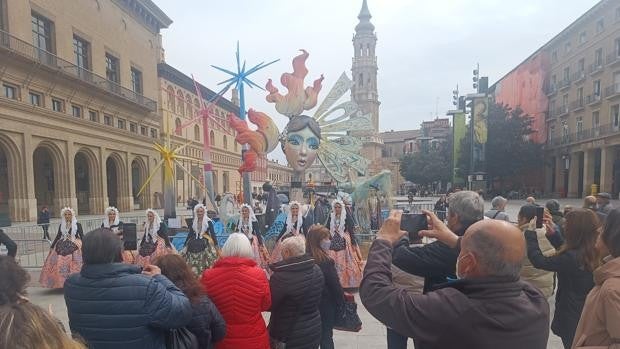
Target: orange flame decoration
[262, 141]
[297, 99]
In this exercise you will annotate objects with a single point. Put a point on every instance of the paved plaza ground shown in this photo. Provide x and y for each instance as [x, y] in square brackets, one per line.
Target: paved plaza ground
[373, 332]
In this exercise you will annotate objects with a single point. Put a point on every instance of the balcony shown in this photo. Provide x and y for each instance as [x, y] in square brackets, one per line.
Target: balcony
[559, 111]
[551, 89]
[579, 76]
[612, 91]
[593, 99]
[577, 105]
[13, 45]
[584, 135]
[564, 84]
[596, 68]
[613, 59]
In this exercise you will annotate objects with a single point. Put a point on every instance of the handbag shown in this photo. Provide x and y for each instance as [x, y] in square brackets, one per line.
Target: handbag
[346, 315]
[338, 243]
[65, 247]
[181, 338]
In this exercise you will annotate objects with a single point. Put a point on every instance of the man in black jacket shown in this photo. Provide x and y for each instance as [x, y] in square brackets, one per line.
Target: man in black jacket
[488, 307]
[436, 261]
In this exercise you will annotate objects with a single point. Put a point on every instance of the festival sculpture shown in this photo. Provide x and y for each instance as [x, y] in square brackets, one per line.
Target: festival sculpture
[326, 135]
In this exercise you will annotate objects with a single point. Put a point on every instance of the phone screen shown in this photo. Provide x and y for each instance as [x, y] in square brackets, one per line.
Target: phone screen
[412, 223]
[540, 212]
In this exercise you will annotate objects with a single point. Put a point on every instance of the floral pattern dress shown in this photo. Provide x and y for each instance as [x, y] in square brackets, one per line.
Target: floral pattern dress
[200, 251]
[63, 259]
[151, 248]
[345, 253]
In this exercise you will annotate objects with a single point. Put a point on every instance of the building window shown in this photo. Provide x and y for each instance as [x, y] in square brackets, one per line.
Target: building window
[580, 96]
[107, 120]
[58, 105]
[196, 132]
[120, 123]
[581, 66]
[600, 26]
[598, 58]
[80, 52]
[554, 56]
[143, 130]
[236, 147]
[596, 120]
[153, 133]
[617, 14]
[579, 126]
[582, 37]
[212, 138]
[35, 99]
[133, 127]
[171, 97]
[565, 102]
[567, 47]
[136, 80]
[112, 70]
[76, 111]
[565, 132]
[615, 115]
[2, 16]
[617, 47]
[10, 91]
[566, 76]
[42, 32]
[181, 105]
[225, 141]
[177, 127]
[596, 88]
[190, 107]
[93, 116]
[551, 134]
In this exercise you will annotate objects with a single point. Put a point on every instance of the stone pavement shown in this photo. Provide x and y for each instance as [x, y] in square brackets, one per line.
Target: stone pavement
[372, 335]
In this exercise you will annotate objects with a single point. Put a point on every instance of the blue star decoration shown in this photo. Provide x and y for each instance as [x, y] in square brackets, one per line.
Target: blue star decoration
[240, 78]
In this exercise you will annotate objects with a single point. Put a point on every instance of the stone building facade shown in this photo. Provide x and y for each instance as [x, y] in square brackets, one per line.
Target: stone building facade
[78, 110]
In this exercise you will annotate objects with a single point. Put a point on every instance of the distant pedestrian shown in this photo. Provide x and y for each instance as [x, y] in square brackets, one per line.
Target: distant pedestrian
[531, 200]
[589, 202]
[498, 208]
[44, 221]
[11, 246]
[553, 206]
[441, 208]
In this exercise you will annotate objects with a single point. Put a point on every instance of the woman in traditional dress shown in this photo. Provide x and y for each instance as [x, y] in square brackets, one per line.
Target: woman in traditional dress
[294, 226]
[65, 255]
[248, 225]
[155, 241]
[112, 221]
[343, 248]
[200, 248]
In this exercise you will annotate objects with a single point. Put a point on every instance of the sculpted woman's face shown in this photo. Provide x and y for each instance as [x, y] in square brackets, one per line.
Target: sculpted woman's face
[301, 149]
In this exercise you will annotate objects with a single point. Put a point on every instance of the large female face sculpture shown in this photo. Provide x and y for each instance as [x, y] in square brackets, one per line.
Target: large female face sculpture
[301, 142]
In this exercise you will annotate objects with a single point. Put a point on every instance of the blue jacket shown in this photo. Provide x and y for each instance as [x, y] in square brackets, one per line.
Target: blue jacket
[114, 306]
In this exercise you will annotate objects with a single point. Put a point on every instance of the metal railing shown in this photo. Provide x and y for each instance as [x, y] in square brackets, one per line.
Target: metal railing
[613, 58]
[15, 45]
[596, 67]
[612, 90]
[32, 253]
[584, 135]
[578, 76]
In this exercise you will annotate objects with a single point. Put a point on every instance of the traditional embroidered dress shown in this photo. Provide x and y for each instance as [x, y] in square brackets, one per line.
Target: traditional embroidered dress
[155, 242]
[251, 229]
[294, 226]
[344, 249]
[200, 248]
[65, 255]
[117, 228]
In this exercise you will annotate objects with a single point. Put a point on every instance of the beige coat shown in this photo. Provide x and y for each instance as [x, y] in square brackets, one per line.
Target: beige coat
[599, 326]
[541, 279]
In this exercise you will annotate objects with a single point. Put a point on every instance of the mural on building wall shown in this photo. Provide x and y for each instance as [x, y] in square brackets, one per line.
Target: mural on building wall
[524, 88]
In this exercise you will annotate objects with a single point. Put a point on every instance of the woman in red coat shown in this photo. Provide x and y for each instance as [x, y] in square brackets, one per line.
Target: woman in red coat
[240, 290]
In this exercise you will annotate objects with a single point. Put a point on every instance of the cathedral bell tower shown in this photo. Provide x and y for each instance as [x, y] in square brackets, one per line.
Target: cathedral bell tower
[364, 91]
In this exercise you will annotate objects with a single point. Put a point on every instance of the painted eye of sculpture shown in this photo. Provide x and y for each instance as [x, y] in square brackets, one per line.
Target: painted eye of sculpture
[294, 140]
[313, 143]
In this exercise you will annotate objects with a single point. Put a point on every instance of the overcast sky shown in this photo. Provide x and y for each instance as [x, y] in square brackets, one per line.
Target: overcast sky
[424, 47]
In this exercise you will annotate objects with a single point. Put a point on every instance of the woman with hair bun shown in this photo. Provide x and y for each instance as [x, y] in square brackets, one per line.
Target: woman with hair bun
[155, 241]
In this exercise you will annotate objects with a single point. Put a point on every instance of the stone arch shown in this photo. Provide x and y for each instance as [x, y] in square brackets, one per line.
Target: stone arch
[116, 175]
[87, 179]
[138, 177]
[12, 182]
[51, 178]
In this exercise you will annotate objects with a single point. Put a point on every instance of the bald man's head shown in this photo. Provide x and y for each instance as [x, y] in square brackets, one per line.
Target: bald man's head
[491, 248]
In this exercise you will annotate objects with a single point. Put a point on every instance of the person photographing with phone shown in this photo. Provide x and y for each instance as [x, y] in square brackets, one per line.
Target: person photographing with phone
[487, 307]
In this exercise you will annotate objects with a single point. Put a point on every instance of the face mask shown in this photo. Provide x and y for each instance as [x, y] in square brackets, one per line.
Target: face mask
[325, 244]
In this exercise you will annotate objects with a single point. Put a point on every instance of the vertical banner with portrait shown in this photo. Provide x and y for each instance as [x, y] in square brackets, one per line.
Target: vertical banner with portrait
[459, 133]
[480, 113]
